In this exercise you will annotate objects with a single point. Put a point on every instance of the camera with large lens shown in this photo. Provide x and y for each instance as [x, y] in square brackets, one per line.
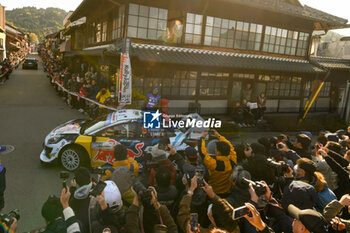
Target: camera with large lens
[259, 187]
[279, 167]
[7, 219]
[145, 194]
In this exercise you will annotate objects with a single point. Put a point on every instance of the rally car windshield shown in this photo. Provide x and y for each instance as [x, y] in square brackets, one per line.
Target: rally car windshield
[91, 125]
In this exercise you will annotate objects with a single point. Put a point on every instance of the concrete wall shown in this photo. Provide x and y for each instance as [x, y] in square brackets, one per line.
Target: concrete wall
[213, 106]
[322, 104]
[179, 106]
[271, 105]
[289, 106]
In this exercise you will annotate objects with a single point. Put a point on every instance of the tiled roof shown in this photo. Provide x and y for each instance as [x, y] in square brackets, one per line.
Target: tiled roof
[292, 9]
[333, 63]
[201, 57]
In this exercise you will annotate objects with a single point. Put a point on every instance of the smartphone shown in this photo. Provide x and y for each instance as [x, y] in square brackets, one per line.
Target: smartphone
[194, 222]
[98, 189]
[64, 175]
[199, 174]
[240, 212]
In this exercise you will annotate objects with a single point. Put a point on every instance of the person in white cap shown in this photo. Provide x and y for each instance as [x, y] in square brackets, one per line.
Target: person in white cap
[112, 196]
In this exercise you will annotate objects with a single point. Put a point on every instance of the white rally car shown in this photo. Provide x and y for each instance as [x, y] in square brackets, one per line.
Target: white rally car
[91, 142]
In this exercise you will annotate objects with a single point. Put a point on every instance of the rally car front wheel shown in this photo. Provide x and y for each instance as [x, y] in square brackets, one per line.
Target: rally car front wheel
[73, 157]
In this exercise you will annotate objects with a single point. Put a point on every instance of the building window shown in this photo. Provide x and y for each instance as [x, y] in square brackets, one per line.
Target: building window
[254, 41]
[213, 84]
[146, 22]
[307, 89]
[231, 34]
[183, 83]
[98, 32]
[303, 44]
[118, 23]
[284, 41]
[326, 90]
[91, 33]
[282, 86]
[291, 45]
[138, 83]
[219, 32]
[104, 31]
[243, 76]
[193, 29]
[241, 36]
[1, 43]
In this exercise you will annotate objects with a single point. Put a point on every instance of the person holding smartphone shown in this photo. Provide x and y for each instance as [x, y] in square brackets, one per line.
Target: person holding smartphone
[220, 168]
[220, 213]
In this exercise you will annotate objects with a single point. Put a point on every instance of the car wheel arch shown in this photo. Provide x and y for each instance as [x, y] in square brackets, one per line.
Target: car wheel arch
[85, 159]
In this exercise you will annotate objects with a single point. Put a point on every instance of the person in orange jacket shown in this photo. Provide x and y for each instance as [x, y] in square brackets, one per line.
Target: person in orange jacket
[220, 168]
[122, 160]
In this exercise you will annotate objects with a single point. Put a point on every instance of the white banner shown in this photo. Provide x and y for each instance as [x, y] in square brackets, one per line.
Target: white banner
[125, 84]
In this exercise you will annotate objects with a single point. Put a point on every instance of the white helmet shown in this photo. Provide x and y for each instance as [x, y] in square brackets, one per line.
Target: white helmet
[112, 196]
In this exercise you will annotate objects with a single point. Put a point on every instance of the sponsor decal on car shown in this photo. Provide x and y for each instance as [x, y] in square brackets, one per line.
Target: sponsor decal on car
[105, 151]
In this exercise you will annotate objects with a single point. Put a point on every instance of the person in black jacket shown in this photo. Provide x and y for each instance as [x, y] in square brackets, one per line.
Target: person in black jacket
[2, 186]
[257, 164]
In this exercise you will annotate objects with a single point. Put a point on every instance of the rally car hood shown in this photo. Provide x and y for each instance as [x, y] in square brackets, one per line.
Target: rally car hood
[70, 127]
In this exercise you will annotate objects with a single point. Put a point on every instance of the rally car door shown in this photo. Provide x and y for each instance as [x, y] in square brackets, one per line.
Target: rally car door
[102, 147]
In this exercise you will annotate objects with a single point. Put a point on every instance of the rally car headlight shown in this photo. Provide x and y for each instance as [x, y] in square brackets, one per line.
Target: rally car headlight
[55, 139]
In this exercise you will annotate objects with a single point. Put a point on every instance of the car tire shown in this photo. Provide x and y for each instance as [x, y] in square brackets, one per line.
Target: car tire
[73, 157]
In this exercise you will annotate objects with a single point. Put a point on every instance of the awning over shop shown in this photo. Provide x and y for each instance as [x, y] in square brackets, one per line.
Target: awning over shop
[200, 57]
[333, 63]
[91, 51]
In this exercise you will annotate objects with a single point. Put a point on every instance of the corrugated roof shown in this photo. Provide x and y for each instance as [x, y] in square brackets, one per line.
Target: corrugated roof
[201, 57]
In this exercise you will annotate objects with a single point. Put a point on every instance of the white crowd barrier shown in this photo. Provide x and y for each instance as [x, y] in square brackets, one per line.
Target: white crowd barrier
[120, 106]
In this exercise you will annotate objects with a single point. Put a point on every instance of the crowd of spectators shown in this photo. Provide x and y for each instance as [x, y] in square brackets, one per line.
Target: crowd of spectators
[9, 64]
[285, 185]
[85, 84]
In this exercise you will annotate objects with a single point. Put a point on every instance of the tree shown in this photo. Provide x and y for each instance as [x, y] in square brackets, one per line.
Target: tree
[33, 37]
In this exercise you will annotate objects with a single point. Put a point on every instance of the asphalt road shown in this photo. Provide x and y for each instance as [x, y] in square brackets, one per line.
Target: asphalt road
[29, 110]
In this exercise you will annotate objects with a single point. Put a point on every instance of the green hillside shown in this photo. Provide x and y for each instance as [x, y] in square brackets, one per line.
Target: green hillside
[39, 21]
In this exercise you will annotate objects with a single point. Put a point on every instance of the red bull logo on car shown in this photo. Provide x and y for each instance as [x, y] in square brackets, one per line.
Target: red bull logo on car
[107, 156]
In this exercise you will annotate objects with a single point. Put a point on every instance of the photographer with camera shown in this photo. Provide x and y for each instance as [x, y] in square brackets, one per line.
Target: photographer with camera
[71, 223]
[159, 159]
[220, 168]
[262, 198]
[146, 215]
[167, 193]
[304, 221]
[220, 213]
[9, 221]
[300, 148]
[89, 203]
[257, 164]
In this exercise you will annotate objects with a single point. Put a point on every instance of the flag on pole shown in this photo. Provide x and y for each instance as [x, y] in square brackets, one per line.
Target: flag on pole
[125, 83]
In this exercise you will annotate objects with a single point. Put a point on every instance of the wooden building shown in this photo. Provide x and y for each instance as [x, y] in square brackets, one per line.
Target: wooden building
[2, 33]
[207, 52]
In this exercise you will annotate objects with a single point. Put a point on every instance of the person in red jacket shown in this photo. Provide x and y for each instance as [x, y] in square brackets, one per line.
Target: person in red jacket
[261, 100]
[159, 156]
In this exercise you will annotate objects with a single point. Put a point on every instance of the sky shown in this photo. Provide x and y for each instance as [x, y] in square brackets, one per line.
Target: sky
[339, 8]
